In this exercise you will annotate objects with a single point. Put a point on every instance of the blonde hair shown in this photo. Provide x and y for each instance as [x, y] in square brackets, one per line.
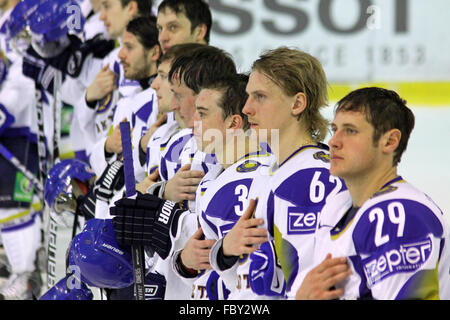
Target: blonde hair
[297, 71]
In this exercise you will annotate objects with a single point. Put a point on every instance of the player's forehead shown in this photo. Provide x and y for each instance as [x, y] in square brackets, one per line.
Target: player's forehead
[347, 118]
[258, 81]
[164, 67]
[128, 37]
[208, 98]
[167, 16]
[109, 3]
[179, 86]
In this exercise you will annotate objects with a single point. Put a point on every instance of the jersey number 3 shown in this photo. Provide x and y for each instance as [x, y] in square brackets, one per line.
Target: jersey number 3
[242, 192]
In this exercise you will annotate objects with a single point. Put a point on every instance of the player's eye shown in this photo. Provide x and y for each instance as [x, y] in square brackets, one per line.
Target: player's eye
[259, 96]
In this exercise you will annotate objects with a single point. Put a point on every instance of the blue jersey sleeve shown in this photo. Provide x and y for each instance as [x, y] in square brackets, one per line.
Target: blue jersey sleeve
[399, 244]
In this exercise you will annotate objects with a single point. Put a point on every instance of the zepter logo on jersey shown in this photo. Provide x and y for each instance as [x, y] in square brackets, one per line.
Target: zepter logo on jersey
[302, 220]
[396, 258]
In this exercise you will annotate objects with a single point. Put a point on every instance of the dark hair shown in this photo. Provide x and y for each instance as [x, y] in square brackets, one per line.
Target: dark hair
[174, 51]
[202, 66]
[196, 11]
[144, 6]
[145, 30]
[384, 110]
[233, 97]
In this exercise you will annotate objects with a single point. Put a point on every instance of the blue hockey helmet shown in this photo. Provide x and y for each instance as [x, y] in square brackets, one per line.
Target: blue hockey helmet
[101, 261]
[18, 20]
[60, 292]
[53, 19]
[60, 176]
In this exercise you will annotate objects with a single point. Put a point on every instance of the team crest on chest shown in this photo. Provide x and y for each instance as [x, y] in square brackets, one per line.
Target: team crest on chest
[248, 166]
[322, 156]
[105, 103]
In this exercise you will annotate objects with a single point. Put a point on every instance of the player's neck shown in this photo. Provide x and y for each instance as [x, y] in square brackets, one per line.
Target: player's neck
[236, 149]
[363, 187]
[290, 140]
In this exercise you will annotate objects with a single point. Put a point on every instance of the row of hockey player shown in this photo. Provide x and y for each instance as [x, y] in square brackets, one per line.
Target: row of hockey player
[199, 171]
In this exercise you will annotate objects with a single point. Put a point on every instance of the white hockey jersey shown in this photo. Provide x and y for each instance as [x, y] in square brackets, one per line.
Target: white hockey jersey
[170, 161]
[17, 92]
[296, 193]
[141, 110]
[221, 200]
[154, 147]
[397, 244]
[74, 89]
[178, 151]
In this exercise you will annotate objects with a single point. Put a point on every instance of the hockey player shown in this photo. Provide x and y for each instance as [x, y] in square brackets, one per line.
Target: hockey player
[138, 54]
[20, 218]
[388, 239]
[152, 144]
[104, 82]
[222, 195]
[188, 73]
[72, 88]
[287, 88]
[183, 21]
[177, 21]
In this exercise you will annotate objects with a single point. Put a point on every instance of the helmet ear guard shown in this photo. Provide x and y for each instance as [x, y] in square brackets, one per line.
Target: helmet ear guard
[65, 181]
[60, 179]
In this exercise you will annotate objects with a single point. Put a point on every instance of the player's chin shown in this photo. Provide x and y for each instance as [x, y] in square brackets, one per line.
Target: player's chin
[335, 169]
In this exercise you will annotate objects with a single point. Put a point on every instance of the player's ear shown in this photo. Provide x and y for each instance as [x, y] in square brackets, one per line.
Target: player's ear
[299, 104]
[155, 53]
[132, 8]
[390, 140]
[235, 122]
[199, 32]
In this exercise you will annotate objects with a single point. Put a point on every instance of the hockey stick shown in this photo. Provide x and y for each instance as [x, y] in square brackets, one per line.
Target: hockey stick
[57, 106]
[49, 225]
[130, 187]
[16, 163]
[52, 228]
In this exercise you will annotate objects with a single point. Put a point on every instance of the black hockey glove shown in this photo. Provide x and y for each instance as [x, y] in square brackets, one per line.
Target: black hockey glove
[71, 60]
[38, 69]
[133, 220]
[86, 205]
[111, 181]
[146, 220]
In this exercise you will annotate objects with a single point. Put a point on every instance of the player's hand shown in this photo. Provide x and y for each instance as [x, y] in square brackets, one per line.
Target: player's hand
[319, 283]
[151, 131]
[183, 184]
[147, 182]
[113, 143]
[195, 254]
[245, 237]
[104, 83]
